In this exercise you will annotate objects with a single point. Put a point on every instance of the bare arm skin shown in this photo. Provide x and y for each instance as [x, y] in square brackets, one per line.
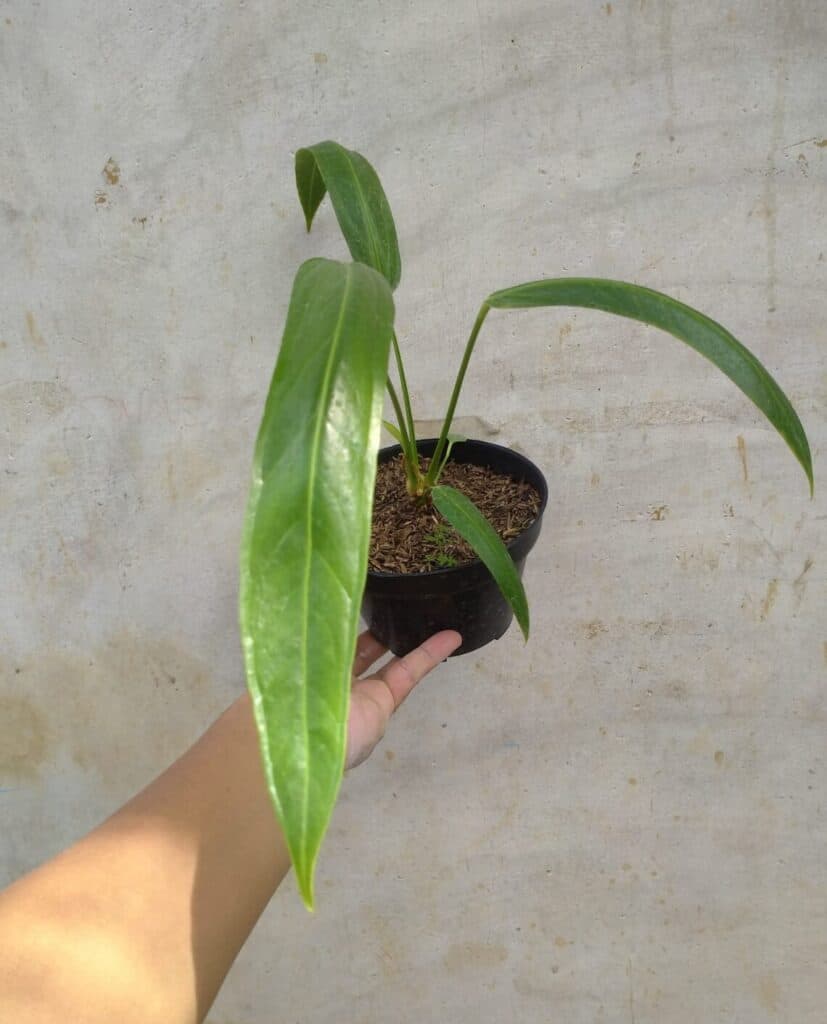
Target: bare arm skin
[141, 920]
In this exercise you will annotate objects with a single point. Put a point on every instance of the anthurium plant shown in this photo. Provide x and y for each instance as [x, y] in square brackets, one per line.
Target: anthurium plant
[307, 528]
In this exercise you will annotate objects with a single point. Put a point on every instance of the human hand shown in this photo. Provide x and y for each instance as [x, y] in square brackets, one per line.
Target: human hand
[375, 698]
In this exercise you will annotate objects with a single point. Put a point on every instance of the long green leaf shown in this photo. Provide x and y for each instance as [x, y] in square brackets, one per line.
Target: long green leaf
[699, 331]
[306, 534]
[472, 525]
[359, 202]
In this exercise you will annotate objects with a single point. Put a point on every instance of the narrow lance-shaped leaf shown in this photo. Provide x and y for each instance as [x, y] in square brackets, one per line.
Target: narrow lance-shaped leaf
[393, 431]
[306, 534]
[472, 525]
[359, 202]
[699, 331]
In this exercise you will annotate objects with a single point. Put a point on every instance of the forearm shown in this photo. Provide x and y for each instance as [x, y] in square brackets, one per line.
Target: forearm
[142, 919]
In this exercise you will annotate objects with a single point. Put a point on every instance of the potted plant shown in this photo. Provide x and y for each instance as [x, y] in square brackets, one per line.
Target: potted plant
[308, 523]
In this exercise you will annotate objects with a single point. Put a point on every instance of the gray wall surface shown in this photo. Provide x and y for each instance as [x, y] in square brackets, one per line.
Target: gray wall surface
[625, 819]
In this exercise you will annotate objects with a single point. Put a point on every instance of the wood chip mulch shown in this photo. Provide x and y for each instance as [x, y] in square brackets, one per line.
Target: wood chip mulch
[409, 537]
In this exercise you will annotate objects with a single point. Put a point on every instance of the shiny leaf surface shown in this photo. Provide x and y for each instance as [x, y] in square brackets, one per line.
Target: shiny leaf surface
[698, 331]
[472, 525]
[306, 534]
[359, 202]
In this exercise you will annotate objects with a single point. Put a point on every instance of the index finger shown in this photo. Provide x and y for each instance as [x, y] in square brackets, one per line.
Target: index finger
[401, 675]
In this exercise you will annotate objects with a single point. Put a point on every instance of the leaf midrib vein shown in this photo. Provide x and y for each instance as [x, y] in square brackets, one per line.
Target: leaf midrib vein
[311, 490]
[366, 216]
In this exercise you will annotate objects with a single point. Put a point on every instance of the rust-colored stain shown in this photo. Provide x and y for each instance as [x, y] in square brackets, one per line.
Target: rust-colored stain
[658, 512]
[111, 172]
[594, 629]
[189, 472]
[608, 9]
[389, 755]
[47, 397]
[769, 599]
[50, 702]
[24, 737]
[101, 198]
[799, 582]
[719, 757]
[632, 780]
[822, 143]
[742, 455]
[595, 480]
[702, 558]
[320, 58]
[34, 333]
[474, 954]
[172, 490]
[769, 993]
[560, 942]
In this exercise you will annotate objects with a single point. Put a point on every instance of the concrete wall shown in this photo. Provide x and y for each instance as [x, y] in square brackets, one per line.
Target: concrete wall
[623, 821]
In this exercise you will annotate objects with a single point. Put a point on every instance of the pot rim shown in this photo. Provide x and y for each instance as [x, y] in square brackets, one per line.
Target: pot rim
[395, 449]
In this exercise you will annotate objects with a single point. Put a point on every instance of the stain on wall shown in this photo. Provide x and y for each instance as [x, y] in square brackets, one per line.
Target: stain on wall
[24, 737]
[111, 172]
[35, 336]
[89, 704]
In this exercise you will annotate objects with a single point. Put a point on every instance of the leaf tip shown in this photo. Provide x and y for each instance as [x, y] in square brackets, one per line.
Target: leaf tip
[806, 461]
[308, 215]
[304, 879]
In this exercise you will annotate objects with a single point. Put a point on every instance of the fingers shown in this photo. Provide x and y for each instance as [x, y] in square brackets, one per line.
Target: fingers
[368, 650]
[401, 675]
[375, 698]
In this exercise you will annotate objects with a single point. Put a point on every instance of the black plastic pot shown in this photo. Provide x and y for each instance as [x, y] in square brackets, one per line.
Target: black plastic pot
[404, 609]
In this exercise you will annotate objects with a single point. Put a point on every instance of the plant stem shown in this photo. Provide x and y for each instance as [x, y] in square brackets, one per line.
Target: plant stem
[409, 452]
[400, 419]
[403, 383]
[435, 468]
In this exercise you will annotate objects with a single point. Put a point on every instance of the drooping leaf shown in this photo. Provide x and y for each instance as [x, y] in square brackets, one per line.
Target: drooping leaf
[698, 331]
[306, 534]
[472, 525]
[359, 202]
